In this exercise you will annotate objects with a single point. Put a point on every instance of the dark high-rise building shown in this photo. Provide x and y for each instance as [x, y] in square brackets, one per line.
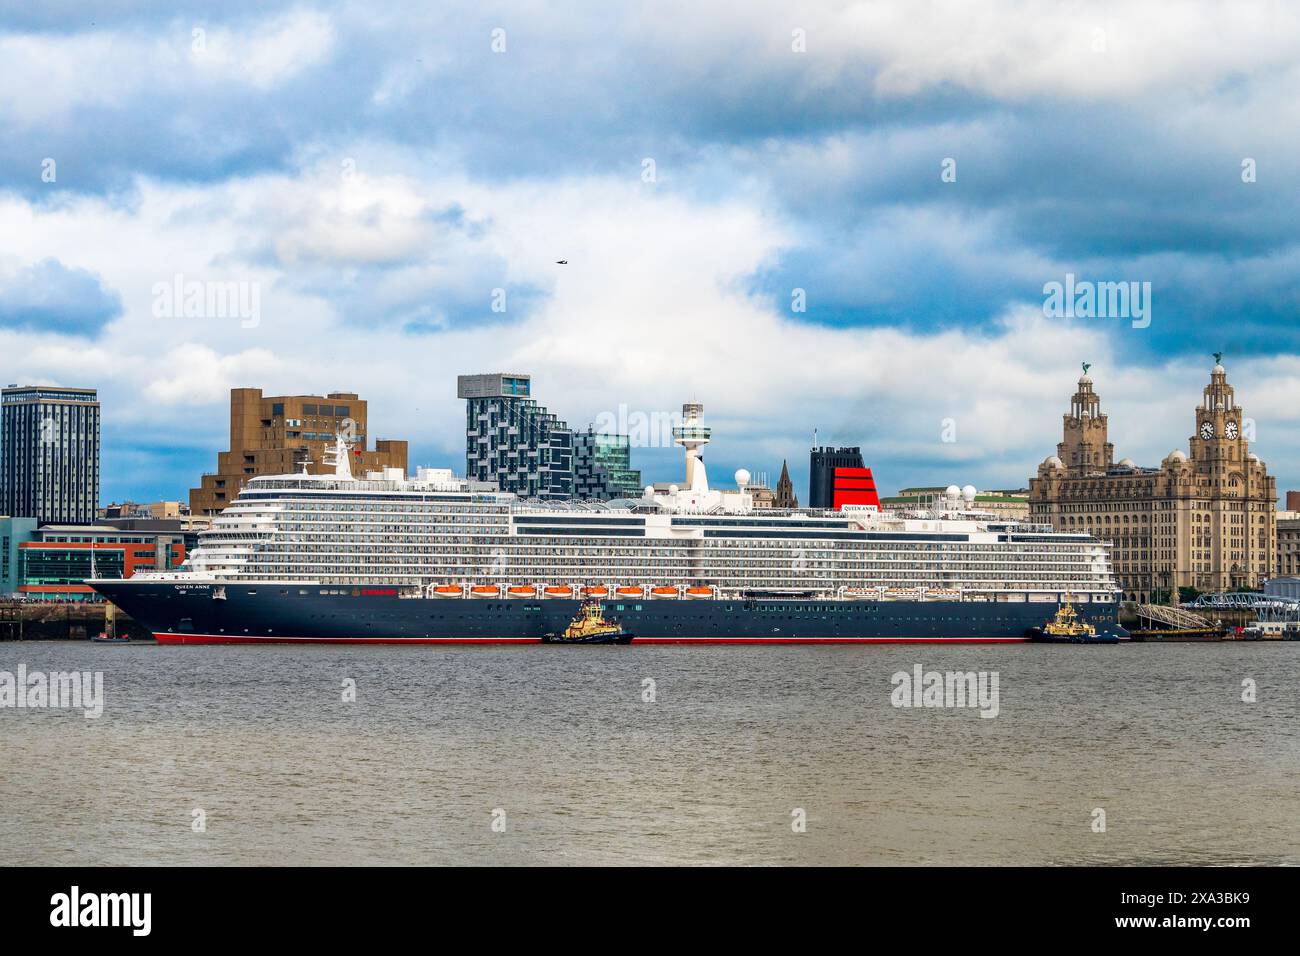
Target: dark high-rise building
[821, 473]
[785, 496]
[602, 466]
[49, 454]
[512, 440]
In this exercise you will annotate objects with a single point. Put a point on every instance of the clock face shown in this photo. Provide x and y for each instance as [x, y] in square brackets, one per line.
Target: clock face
[1207, 430]
[1231, 430]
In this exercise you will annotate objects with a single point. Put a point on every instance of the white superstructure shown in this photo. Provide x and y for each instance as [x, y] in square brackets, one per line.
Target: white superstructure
[437, 532]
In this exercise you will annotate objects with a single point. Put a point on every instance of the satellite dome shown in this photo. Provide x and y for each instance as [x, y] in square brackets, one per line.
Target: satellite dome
[649, 491]
[672, 489]
[742, 478]
[952, 491]
[968, 493]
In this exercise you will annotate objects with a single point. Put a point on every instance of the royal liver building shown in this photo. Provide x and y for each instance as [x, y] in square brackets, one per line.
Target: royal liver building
[1205, 518]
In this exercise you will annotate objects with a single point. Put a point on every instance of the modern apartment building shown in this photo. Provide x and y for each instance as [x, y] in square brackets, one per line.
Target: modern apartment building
[602, 466]
[512, 440]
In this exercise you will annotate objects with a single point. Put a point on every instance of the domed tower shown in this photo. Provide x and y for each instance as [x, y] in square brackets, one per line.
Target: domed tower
[1220, 439]
[1084, 449]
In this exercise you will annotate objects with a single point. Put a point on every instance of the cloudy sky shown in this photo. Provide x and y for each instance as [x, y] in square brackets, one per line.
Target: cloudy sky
[375, 173]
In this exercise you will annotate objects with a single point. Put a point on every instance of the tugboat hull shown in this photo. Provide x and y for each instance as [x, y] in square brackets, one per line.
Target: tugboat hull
[620, 638]
[1038, 636]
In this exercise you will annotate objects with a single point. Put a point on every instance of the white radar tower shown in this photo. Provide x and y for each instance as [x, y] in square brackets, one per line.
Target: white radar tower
[693, 436]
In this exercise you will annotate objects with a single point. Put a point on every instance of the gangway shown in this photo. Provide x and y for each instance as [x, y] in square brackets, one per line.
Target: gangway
[1152, 614]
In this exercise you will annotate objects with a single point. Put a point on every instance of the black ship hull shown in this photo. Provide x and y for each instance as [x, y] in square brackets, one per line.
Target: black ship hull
[183, 613]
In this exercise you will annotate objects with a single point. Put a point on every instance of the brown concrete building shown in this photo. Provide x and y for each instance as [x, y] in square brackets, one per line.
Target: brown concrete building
[1288, 542]
[1205, 520]
[274, 435]
[1011, 503]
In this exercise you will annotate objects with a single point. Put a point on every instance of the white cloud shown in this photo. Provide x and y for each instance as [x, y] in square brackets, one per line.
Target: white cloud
[267, 53]
[198, 375]
[47, 76]
[649, 312]
[1002, 48]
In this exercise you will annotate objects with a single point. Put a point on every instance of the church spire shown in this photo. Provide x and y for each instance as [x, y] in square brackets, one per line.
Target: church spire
[785, 497]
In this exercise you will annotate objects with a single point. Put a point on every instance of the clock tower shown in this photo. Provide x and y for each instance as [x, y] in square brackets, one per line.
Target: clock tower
[1219, 443]
[1233, 521]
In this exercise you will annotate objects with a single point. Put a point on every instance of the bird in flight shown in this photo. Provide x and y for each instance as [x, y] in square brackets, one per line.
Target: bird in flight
[561, 262]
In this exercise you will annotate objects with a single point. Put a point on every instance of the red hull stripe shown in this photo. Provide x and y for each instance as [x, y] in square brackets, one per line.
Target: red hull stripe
[171, 638]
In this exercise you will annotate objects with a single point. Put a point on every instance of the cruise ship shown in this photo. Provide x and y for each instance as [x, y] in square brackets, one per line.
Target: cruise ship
[388, 558]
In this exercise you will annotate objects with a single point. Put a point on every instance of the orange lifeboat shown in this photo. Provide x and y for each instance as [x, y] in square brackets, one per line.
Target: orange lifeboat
[630, 592]
[521, 591]
[447, 590]
[699, 592]
[485, 590]
[663, 592]
[595, 592]
[559, 591]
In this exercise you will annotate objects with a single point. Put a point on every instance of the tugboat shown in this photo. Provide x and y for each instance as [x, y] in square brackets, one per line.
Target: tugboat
[1067, 628]
[590, 627]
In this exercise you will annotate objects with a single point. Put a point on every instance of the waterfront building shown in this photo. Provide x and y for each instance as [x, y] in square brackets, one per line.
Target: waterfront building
[1293, 501]
[760, 492]
[56, 560]
[785, 496]
[153, 509]
[1288, 542]
[1287, 588]
[49, 453]
[822, 467]
[13, 532]
[513, 441]
[602, 467]
[275, 435]
[1203, 519]
[1012, 504]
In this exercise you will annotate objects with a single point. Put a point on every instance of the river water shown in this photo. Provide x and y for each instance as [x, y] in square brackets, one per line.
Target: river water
[654, 755]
